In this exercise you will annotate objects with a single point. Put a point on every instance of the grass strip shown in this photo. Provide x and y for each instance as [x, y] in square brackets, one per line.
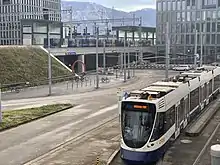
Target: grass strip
[15, 118]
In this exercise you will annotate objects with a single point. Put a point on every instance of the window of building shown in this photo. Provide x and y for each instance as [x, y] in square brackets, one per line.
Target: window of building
[208, 39]
[218, 38]
[187, 39]
[183, 5]
[159, 6]
[6, 2]
[178, 5]
[203, 15]
[178, 16]
[188, 2]
[213, 39]
[174, 5]
[183, 16]
[198, 27]
[188, 16]
[164, 6]
[213, 27]
[169, 6]
[208, 27]
[192, 39]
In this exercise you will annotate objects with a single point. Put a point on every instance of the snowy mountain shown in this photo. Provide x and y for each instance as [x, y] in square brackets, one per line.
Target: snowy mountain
[91, 11]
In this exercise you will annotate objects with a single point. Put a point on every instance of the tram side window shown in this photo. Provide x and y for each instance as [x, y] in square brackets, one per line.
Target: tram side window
[216, 82]
[159, 127]
[201, 94]
[169, 118]
[205, 91]
[194, 98]
[210, 87]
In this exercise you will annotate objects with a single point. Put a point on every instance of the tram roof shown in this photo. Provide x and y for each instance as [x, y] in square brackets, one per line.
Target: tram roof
[158, 89]
[167, 84]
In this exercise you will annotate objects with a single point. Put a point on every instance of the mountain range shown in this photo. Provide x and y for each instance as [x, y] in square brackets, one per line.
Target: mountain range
[92, 11]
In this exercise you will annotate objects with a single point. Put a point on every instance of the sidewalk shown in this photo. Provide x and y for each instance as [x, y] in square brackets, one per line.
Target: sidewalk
[63, 89]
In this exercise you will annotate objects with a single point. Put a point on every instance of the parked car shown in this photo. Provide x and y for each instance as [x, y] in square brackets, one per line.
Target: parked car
[182, 68]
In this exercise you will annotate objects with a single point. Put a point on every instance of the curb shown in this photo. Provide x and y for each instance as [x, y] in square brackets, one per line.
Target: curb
[204, 124]
[111, 158]
[4, 129]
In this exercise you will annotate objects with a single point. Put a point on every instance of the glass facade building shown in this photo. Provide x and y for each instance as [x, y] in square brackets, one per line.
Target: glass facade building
[184, 18]
[12, 12]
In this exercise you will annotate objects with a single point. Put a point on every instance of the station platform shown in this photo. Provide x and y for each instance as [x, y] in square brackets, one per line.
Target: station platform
[196, 127]
[195, 150]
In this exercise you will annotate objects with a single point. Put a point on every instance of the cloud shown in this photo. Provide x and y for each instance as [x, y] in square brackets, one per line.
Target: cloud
[126, 5]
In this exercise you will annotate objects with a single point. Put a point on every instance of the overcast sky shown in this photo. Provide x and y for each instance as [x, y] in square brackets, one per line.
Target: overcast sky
[125, 5]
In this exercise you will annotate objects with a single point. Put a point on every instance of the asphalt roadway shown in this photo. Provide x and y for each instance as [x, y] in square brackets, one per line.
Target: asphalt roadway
[27, 142]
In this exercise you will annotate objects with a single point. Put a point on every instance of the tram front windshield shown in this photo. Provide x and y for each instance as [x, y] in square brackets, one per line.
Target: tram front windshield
[137, 123]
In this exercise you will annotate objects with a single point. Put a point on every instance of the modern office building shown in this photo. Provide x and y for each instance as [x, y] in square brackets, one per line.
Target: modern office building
[185, 17]
[26, 21]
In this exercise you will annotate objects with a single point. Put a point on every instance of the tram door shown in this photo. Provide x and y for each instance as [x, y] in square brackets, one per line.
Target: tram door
[202, 97]
[186, 110]
[177, 120]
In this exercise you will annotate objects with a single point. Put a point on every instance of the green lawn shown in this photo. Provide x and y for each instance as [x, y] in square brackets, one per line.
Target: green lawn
[27, 64]
[17, 117]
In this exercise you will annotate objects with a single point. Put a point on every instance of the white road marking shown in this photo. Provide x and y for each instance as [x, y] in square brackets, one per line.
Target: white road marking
[110, 108]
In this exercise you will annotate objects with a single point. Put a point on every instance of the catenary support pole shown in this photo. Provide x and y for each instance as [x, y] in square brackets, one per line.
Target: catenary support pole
[97, 58]
[49, 63]
[104, 57]
[129, 72]
[195, 53]
[201, 53]
[167, 50]
[124, 63]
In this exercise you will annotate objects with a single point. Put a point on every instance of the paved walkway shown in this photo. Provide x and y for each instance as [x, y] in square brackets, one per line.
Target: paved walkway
[62, 88]
[187, 152]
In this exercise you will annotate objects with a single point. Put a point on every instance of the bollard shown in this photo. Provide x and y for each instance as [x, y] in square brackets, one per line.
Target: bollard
[215, 154]
[97, 161]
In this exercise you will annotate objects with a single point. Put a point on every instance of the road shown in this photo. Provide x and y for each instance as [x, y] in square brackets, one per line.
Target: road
[34, 139]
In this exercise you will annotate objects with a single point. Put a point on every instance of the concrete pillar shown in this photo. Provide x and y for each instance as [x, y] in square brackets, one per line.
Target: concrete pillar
[215, 154]
[153, 38]
[80, 66]
[117, 35]
[133, 36]
[126, 36]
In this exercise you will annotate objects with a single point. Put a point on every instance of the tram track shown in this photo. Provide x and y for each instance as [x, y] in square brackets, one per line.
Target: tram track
[99, 126]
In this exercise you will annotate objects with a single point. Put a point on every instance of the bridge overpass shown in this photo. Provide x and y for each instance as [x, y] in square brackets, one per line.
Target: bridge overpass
[92, 50]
